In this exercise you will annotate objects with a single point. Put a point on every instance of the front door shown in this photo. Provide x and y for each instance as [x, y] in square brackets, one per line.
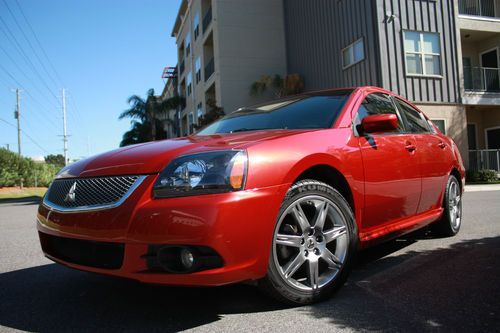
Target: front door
[392, 178]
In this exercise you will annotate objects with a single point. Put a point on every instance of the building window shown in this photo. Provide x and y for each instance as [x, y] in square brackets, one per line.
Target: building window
[472, 136]
[199, 111]
[196, 23]
[190, 123]
[441, 124]
[423, 53]
[198, 69]
[187, 42]
[353, 53]
[189, 84]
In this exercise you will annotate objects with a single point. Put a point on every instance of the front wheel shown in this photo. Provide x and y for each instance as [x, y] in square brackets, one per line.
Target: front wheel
[450, 222]
[314, 243]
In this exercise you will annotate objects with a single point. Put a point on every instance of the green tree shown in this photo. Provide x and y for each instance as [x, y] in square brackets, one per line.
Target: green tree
[214, 112]
[14, 169]
[144, 115]
[57, 160]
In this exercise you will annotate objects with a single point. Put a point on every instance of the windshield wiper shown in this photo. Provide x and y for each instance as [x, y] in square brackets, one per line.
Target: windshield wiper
[244, 129]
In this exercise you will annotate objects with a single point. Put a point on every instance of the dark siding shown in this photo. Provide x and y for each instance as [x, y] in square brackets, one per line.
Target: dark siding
[317, 31]
[420, 15]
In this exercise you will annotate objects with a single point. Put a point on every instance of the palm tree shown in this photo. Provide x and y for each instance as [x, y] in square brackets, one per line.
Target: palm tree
[144, 113]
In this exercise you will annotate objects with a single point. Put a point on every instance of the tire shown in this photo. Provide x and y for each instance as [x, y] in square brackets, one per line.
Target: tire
[450, 222]
[313, 247]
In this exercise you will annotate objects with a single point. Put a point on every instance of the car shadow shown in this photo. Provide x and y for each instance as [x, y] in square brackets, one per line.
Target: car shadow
[446, 289]
[33, 200]
[453, 288]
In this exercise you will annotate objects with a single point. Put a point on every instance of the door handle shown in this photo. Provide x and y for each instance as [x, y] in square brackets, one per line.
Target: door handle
[441, 145]
[410, 147]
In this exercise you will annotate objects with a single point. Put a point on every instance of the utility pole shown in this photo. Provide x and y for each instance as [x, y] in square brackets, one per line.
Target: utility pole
[65, 134]
[17, 115]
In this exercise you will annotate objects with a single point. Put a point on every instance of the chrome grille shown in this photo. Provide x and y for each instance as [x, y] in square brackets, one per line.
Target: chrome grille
[90, 193]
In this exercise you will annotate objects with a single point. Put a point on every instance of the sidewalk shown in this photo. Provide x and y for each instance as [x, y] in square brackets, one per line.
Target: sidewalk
[482, 187]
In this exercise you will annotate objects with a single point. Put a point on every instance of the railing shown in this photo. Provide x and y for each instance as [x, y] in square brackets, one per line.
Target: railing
[181, 67]
[485, 159]
[482, 79]
[477, 7]
[207, 19]
[209, 69]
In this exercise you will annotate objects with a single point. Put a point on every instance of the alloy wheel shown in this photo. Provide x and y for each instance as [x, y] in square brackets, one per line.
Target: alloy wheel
[454, 205]
[310, 243]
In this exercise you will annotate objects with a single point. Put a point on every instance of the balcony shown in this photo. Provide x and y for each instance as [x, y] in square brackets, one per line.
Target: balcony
[485, 159]
[482, 79]
[485, 8]
[209, 69]
[207, 19]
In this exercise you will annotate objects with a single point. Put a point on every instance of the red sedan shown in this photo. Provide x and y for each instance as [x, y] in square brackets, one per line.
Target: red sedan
[283, 194]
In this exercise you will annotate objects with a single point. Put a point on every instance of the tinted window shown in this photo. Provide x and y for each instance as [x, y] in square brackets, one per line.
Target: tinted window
[376, 104]
[304, 112]
[414, 119]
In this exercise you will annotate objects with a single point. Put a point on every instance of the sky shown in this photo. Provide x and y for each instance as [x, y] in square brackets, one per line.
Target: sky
[100, 51]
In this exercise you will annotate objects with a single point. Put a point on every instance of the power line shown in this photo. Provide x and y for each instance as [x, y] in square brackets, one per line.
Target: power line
[21, 70]
[27, 59]
[20, 85]
[29, 42]
[77, 113]
[23, 56]
[26, 134]
[39, 44]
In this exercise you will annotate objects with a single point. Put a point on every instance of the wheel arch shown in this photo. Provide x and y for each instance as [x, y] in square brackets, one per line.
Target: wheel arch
[328, 169]
[331, 176]
[456, 173]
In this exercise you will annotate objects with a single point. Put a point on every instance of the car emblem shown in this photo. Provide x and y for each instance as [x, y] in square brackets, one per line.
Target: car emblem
[71, 196]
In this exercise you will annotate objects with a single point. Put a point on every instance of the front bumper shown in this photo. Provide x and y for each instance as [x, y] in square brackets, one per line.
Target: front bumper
[238, 226]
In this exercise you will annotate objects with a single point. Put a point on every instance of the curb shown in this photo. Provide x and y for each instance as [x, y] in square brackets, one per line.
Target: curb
[482, 188]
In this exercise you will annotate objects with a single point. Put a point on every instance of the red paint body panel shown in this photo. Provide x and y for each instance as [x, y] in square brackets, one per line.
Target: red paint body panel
[394, 190]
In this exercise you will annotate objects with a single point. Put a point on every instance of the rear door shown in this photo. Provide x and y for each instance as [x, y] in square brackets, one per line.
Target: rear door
[390, 162]
[435, 156]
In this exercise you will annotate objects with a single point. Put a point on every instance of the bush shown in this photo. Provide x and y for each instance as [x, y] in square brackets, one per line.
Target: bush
[13, 169]
[488, 176]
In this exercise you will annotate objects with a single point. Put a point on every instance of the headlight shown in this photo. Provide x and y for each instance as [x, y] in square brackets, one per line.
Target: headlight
[203, 173]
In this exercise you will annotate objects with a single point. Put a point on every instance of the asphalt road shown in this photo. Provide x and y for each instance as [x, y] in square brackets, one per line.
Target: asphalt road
[419, 283]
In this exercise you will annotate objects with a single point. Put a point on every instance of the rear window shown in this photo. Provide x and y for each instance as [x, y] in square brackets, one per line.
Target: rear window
[304, 112]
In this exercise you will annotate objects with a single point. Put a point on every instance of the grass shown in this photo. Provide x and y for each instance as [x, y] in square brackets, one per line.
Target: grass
[15, 193]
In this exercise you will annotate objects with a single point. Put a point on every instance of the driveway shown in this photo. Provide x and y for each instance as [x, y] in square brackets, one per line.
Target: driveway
[418, 283]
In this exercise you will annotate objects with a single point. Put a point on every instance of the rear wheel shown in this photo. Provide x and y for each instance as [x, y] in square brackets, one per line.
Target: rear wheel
[314, 242]
[450, 222]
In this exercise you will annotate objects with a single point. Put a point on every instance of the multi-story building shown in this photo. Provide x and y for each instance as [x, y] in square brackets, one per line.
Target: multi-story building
[440, 54]
[478, 24]
[224, 46]
[170, 118]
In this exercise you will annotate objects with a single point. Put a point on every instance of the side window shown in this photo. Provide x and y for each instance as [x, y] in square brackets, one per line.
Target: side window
[375, 104]
[414, 119]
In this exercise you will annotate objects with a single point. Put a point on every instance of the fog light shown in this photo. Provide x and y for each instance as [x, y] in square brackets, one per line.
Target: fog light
[187, 259]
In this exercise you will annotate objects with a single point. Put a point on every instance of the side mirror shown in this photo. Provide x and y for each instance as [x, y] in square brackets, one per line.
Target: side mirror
[379, 123]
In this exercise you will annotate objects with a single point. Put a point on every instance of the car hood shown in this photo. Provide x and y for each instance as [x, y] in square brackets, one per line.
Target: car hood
[152, 157]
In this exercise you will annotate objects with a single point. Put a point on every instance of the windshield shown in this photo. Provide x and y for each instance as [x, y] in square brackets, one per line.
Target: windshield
[300, 112]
